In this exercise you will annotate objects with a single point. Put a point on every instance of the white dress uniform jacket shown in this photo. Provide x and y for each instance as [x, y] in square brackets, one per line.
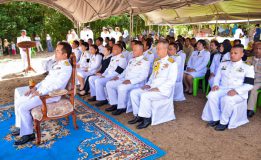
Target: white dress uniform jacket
[157, 105]
[150, 56]
[137, 72]
[57, 78]
[230, 110]
[117, 65]
[89, 68]
[198, 61]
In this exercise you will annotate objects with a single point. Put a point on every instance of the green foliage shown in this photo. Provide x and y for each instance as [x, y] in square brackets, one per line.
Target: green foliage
[35, 18]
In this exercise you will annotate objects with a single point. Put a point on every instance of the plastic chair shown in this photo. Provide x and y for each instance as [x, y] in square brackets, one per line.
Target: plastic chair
[258, 103]
[196, 83]
[208, 89]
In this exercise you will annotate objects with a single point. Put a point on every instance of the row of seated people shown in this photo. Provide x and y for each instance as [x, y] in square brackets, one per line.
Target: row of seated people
[115, 84]
[150, 100]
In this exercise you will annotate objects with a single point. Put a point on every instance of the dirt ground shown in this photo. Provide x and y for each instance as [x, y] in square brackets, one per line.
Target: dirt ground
[186, 138]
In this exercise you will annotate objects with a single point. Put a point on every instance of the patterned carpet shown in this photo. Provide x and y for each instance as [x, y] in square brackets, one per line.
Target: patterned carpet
[99, 137]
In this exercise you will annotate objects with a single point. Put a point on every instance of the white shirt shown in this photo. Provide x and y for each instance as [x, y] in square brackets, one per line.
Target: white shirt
[237, 33]
[231, 75]
[22, 39]
[137, 70]
[116, 61]
[57, 78]
[199, 60]
[164, 75]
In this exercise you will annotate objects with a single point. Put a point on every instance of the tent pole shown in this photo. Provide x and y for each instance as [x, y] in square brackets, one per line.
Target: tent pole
[78, 28]
[131, 24]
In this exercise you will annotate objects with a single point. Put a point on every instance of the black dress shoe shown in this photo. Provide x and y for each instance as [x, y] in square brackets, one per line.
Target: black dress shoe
[111, 108]
[92, 99]
[24, 139]
[144, 124]
[135, 120]
[213, 123]
[101, 103]
[16, 132]
[250, 113]
[220, 127]
[119, 111]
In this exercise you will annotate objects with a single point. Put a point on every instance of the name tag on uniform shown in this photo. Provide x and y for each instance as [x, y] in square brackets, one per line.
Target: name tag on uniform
[240, 70]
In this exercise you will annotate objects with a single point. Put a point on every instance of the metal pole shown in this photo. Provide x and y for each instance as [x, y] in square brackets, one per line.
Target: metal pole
[131, 24]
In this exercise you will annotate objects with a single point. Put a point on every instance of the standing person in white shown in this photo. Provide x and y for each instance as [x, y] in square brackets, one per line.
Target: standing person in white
[197, 65]
[23, 50]
[134, 76]
[239, 33]
[38, 43]
[227, 101]
[160, 86]
[57, 78]
[97, 83]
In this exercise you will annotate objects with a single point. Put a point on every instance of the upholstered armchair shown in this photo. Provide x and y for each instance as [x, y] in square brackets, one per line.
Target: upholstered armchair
[61, 109]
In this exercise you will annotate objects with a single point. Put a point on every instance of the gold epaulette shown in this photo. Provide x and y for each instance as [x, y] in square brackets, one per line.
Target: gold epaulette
[122, 56]
[156, 59]
[146, 59]
[67, 63]
[149, 52]
[171, 60]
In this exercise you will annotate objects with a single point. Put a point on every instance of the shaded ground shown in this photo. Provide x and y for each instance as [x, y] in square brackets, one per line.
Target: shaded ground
[186, 138]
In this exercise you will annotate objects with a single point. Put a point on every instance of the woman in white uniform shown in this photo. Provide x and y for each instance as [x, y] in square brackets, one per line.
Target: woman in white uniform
[89, 67]
[197, 65]
[222, 56]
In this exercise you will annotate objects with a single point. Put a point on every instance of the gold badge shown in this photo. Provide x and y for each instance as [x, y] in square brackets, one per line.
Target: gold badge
[66, 63]
[149, 52]
[122, 56]
[171, 60]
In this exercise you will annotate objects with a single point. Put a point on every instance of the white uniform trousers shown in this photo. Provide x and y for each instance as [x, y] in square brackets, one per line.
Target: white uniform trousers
[229, 110]
[141, 101]
[252, 100]
[97, 87]
[24, 58]
[118, 93]
[23, 106]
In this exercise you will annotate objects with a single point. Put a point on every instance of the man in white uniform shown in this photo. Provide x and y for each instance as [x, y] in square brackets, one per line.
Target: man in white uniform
[57, 78]
[97, 83]
[159, 86]
[231, 85]
[23, 50]
[134, 76]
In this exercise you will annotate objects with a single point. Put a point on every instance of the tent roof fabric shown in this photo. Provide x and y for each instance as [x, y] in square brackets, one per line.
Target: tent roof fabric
[89, 10]
[223, 11]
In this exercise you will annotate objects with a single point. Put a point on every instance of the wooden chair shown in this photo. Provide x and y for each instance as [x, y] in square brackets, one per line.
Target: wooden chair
[61, 109]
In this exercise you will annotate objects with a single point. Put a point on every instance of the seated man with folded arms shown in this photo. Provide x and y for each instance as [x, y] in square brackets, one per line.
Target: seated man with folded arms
[231, 85]
[197, 65]
[57, 78]
[159, 86]
[134, 76]
[256, 62]
[97, 83]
